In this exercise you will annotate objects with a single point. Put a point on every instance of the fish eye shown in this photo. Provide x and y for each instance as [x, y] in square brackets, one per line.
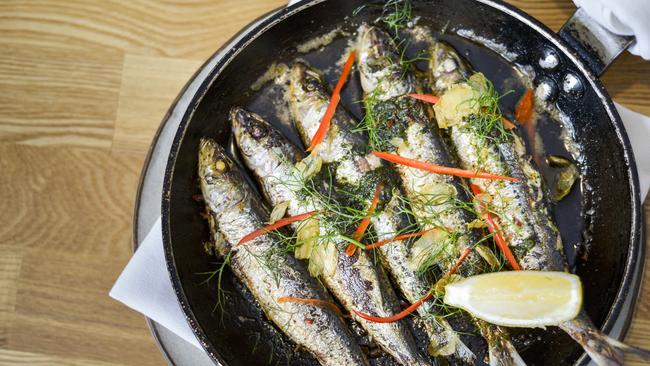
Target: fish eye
[258, 131]
[311, 84]
[221, 166]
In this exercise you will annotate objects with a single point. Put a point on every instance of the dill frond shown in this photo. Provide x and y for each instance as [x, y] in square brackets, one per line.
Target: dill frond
[396, 15]
[218, 274]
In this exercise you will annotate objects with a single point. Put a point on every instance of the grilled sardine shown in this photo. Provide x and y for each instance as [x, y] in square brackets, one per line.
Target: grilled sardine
[234, 211]
[355, 281]
[436, 200]
[521, 206]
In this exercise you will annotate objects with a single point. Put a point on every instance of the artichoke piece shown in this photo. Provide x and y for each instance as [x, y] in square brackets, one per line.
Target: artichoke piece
[488, 256]
[566, 177]
[278, 212]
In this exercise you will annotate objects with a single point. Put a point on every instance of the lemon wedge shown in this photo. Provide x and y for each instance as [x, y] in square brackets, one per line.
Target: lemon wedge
[518, 298]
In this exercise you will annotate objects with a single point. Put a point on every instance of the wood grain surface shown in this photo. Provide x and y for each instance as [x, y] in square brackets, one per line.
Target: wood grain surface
[83, 87]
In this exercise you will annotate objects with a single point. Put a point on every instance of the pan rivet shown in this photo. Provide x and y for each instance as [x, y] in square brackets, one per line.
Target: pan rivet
[572, 85]
[549, 60]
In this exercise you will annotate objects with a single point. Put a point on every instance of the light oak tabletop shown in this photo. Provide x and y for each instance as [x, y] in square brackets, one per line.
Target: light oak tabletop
[83, 87]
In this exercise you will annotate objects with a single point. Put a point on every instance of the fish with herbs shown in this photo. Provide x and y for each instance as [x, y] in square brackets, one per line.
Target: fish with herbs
[438, 201]
[233, 211]
[286, 181]
[469, 114]
[356, 171]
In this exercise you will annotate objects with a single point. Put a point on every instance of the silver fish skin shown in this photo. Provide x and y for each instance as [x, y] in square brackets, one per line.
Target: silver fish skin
[234, 212]
[344, 144]
[434, 198]
[522, 206]
[355, 281]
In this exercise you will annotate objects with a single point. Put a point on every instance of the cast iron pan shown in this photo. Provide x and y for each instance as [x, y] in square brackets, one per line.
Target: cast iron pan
[600, 220]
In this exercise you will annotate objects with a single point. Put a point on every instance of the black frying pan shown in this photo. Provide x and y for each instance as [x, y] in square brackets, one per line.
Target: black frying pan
[600, 220]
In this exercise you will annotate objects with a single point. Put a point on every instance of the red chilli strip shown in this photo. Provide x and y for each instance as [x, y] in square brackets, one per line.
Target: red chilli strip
[524, 109]
[325, 122]
[425, 98]
[413, 307]
[438, 169]
[334, 102]
[276, 225]
[507, 124]
[312, 302]
[365, 222]
[460, 261]
[401, 315]
[496, 231]
[347, 68]
[397, 238]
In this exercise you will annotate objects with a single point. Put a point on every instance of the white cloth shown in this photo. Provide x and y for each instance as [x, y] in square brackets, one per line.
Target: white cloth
[623, 17]
[145, 286]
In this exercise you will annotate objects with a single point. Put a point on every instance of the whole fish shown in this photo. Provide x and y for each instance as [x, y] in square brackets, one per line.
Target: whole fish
[234, 211]
[521, 207]
[437, 201]
[346, 145]
[355, 281]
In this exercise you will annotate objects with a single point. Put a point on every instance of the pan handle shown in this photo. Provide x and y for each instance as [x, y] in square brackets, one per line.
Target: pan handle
[597, 46]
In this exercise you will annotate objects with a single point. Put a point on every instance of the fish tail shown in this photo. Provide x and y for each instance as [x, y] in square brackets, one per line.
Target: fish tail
[603, 350]
[500, 350]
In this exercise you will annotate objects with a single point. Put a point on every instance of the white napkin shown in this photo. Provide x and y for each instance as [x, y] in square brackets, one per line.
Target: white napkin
[624, 17]
[145, 286]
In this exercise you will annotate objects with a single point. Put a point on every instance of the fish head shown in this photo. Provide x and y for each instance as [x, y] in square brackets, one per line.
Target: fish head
[379, 64]
[263, 148]
[255, 135]
[251, 131]
[446, 68]
[305, 83]
[308, 99]
[219, 176]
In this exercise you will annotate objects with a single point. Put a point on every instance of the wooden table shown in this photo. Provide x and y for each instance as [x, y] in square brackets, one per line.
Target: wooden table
[83, 87]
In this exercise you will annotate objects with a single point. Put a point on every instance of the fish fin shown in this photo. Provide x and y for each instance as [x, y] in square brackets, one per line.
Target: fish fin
[642, 353]
[603, 350]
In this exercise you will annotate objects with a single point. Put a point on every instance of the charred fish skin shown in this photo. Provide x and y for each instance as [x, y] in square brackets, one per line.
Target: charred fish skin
[385, 82]
[526, 223]
[308, 94]
[235, 211]
[355, 281]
